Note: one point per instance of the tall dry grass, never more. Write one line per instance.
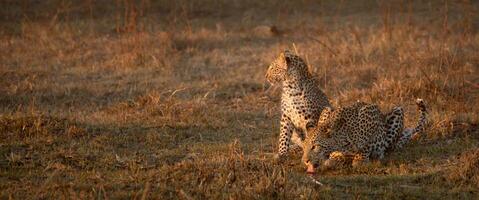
(133, 99)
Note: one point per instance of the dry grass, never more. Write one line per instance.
(467, 172)
(150, 99)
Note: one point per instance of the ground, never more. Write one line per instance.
(167, 99)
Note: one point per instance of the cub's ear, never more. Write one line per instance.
(310, 127)
(282, 58)
(325, 114)
(287, 56)
(288, 60)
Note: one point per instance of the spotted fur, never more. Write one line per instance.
(411, 133)
(301, 100)
(359, 131)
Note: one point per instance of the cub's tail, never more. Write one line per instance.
(421, 123)
(410, 133)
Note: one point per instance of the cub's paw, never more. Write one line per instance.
(329, 164)
(359, 161)
(279, 159)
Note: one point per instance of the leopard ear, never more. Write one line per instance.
(287, 56)
(325, 114)
(309, 126)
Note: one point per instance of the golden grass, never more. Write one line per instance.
(167, 99)
(467, 172)
(13, 127)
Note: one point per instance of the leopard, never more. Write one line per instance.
(360, 132)
(302, 100)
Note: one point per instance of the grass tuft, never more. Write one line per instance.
(467, 171)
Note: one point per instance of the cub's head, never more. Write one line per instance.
(318, 143)
(315, 152)
(283, 66)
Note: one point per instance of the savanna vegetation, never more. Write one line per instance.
(167, 99)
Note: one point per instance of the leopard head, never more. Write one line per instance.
(286, 64)
(315, 151)
(318, 141)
